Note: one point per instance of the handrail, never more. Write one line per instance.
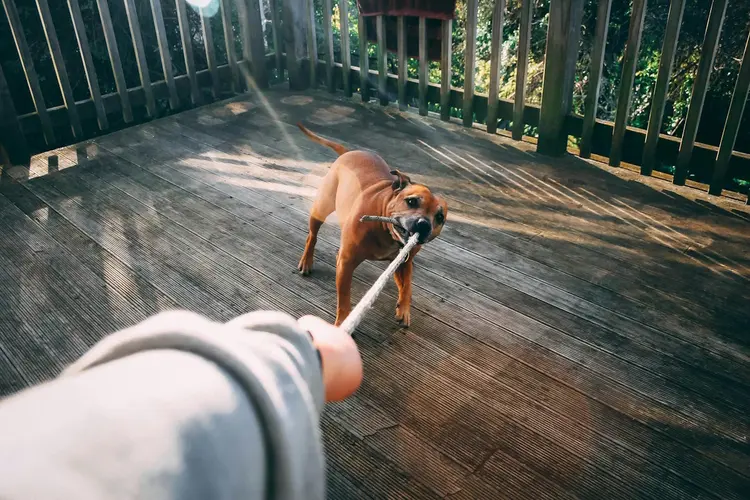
(287, 53)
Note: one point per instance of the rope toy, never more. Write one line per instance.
(365, 304)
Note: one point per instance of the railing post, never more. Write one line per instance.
(294, 13)
(12, 138)
(564, 31)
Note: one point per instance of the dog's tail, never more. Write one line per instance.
(325, 142)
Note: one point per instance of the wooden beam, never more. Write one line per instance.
(253, 45)
(226, 24)
(58, 63)
(140, 55)
(629, 67)
(524, 44)
(732, 125)
(364, 62)
(89, 68)
(294, 13)
(423, 65)
(382, 60)
(208, 45)
(11, 134)
(346, 56)
(559, 72)
(114, 59)
(469, 54)
(328, 38)
(27, 63)
(700, 88)
(446, 53)
(595, 75)
(166, 58)
(312, 43)
(495, 48)
(402, 62)
(659, 97)
(278, 49)
(187, 50)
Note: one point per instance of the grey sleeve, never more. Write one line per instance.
(177, 407)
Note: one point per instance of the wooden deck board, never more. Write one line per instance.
(554, 350)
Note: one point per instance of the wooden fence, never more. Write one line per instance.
(293, 33)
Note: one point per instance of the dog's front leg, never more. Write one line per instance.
(403, 282)
(345, 266)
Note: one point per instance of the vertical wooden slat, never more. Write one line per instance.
(166, 59)
(629, 66)
(58, 63)
(445, 70)
(595, 76)
(659, 97)
(700, 88)
(11, 135)
(524, 43)
(27, 62)
(208, 43)
(346, 57)
(257, 43)
(276, 35)
(187, 50)
(732, 125)
(312, 43)
(364, 61)
(328, 34)
(88, 63)
(423, 65)
(402, 60)
(226, 23)
(114, 60)
(140, 56)
(382, 60)
(471, 43)
(561, 54)
(495, 46)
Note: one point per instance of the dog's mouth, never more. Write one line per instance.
(399, 233)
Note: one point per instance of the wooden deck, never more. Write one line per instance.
(577, 331)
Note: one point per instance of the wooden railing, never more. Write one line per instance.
(293, 33)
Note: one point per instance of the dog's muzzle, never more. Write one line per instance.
(423, 227)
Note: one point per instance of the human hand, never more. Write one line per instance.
(341, 361)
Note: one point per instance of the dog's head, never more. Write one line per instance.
(417, 209)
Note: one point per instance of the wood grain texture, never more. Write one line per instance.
(364, 61)
(208, 42)
(554, 352)
(596, 67)
(700, 89)
(312, 42)
(278, 48)
(382, 61)
(328, 39)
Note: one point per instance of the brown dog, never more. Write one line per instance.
(361, 183)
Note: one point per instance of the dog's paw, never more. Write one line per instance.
(403, 315)
(304, 267)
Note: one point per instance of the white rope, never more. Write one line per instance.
(352, 321)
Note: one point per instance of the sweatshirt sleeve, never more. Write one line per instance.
(177, 407)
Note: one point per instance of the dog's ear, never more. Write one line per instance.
(401, 181)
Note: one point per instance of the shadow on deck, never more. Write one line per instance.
(577, 331)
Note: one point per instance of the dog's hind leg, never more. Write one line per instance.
(323, 206)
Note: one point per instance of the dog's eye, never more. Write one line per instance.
(439, 218)
(412, 202)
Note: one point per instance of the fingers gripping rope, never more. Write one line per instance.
(355, 317)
